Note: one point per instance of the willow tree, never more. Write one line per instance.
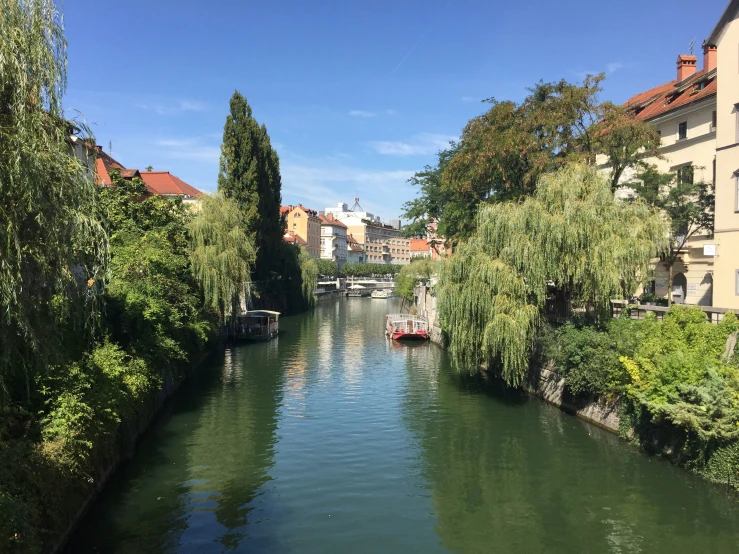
(572, 234)
(308, 277)
(52, 248)
(222, 254)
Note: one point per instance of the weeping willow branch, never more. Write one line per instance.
(53, 250)
(222, 255)
(571, 234)
(309, 277)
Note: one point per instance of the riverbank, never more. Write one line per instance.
(334, 439)
(663, 385)
(130, 432)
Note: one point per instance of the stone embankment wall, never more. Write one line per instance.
(543, 382)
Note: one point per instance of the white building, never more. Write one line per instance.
(382, 243)
(333, 239)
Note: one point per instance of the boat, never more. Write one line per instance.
(406, 327)
(380, 294)
(357, 291)
(257, 325)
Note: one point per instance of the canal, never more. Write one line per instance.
(332, 439)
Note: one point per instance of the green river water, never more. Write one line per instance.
(332, 439)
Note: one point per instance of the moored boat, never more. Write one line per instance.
(380, 294)
(256, 325)
(406, 327)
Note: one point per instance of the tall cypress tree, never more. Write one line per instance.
(250, 174)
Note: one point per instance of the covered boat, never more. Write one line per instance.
(256, 325)
(380, 294)
(406, 327)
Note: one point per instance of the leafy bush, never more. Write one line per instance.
(586, 357)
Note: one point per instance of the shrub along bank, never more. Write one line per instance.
(675, 380)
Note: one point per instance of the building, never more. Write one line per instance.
(305, 223)
(333, 239)
(420, 248)
(163, 183)
(354, 251)
(723, 46)
(294, 239)
(696, 117)
(382, 243)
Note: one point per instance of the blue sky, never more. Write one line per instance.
(356, 95)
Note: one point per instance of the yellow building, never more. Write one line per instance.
(725, 39)
(304, 223)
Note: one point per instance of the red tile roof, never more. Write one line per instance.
(673, 95)
(164, 183)
(284, 210)
(353, 245)
(104, 164)
(292, 238)
(419, 245)
(329, 219)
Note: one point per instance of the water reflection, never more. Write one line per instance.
(517, 474)
(333, 439)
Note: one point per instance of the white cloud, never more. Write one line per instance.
(468, 99)
(613, 67)
(421, 144)
(362, 113)
(189, 148)
(173, 107)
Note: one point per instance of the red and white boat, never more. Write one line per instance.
(406, 327)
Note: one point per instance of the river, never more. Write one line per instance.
(332, 439)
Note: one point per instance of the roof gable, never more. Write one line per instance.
(730, 13)
(166, 184)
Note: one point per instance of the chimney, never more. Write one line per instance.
(710, 57)
(685, 66)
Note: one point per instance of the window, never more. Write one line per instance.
(736, 199)
(736, 282)
(685, 175)
(713, 121)
(682, 130)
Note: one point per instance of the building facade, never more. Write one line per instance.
(333, 239)
(354, 251)
(305, 223)
(696, 115)
(725, 40)
(382, 243)
(420, 248)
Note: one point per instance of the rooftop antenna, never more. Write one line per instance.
(356, 207)
(110, 147)
(692, 47)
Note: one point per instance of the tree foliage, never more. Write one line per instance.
(222, 254)
(354, 269)
(51, 245)
(503, 152)
(250, 174)
(571, 235)
(419, 270)
(308, 277)
(689, 206)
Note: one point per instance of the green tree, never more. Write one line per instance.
(250, 174)
(308, 277)
(689, 206)
(222, 254)
(149, 168)
(503, 152)
(53, 251)
(571, 234)
(327, 268)
(419, 270)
